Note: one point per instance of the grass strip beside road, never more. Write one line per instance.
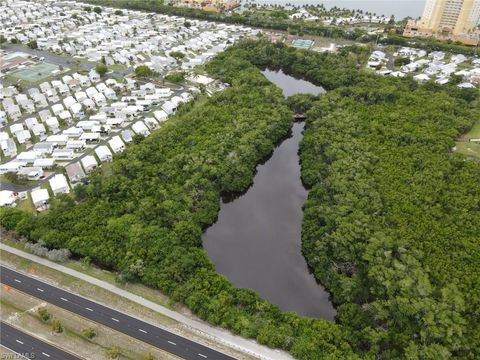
(132, 301)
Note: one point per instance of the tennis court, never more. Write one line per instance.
(302, 44)
(35, 72)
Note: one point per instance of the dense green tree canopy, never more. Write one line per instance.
(391, 226)
(143, 71)
(101, 69)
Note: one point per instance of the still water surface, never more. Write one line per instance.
(399, 8)
(256, 241)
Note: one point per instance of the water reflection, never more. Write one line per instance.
(256, 241)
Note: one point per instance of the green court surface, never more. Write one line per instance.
(35, 72)
(302, 44)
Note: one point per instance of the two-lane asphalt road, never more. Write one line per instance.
(30, 347)
(114, 319)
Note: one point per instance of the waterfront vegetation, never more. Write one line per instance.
(391, 225)
(145, 216)
(392, 222)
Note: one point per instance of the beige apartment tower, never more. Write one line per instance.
(451, 16)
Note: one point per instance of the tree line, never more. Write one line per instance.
(257, 19)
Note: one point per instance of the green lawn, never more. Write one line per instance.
(468, 148)
(117, 67)
(27, 205)
(475, 132)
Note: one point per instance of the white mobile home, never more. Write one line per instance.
(140, 128)
(8, 147)
(12, 166)
(63, 154)
(44, 114)
(151, 123)
(40, 198)
(76, 145)
(94, 76)
(169, 107)
(13, 111)
(23, 136)
(103, 153)
(7, 198)
(58, 140)
(53, 124)
(44, 163)
(90, 137)
(16, 128)
(77, 110)
(69, 101)
(87, 124)
(29, 156)
(127, 136)
(91, 91)
(80, 96)
(89, 163)
(160, 115)
(59, 184)
(57, 109)
(73, 132)
(65, 116)
(116, 144)
(99, 99)
(39, 131)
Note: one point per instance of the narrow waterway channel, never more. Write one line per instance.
(256, 241)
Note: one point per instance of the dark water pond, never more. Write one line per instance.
(256, 241)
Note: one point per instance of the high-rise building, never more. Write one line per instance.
(457, 20)
(451, 16)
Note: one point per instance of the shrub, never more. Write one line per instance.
(175, 77)
(89, 333)
(143, 71)
(57, 326)
(113, 352)
(44, 314)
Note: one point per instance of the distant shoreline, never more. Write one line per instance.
(399, 8)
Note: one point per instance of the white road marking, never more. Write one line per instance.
(89, 309)
(171, 342)
(45, 354)
(64, 299)
(142, 331)
(20, 342)
(115, 320)
(204, 356)
(17, 280)
(40, 289)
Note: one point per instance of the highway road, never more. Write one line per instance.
(114, 319)
(29, 347)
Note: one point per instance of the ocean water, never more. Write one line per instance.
(399, 8)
